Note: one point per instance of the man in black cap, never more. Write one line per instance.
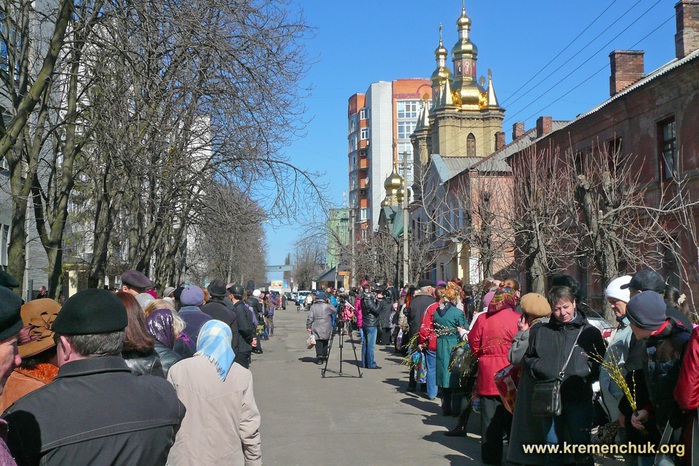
(243, 337)
(665, 341)
(649, 280)
(422, 299)
(135, 282)
(96, 411)
(10, 325)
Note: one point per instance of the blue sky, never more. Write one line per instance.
(358, 42)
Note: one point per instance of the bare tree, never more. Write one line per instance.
(309, 260)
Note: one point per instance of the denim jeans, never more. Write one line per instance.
(573, 425)
(368, 346)
(431, 358)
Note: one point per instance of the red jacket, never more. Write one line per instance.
(427, 328)
(490, 340)
(687, 388)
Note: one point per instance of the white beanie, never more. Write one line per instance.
(256, 293)
(614, 289)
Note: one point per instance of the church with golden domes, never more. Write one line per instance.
(465, 117)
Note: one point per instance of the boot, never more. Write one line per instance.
(458, 431)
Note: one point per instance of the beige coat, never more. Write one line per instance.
(222, 422)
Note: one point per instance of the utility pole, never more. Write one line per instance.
(406, 260)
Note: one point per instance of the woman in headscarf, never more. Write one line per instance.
(161, 324)
(37, 350)
(222, 421)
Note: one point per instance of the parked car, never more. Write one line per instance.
(301, 297)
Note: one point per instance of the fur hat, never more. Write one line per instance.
(535, 305)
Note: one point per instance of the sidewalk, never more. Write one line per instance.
(309, 420)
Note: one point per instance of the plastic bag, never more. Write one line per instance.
(420, 367)
(399, 339)
(310, 341)
(506, 381)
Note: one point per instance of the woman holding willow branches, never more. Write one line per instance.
(559, 350)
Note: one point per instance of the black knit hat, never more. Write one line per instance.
(646, 310)
(425, 282)
(10, 319)
(89, 312)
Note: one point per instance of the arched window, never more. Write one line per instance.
(471, 145)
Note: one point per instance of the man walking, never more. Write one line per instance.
(242, 339)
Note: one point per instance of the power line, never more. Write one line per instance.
(566, 48)
(584, 62)
(538, 112)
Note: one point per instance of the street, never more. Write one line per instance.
(308, 420)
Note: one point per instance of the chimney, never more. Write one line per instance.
(687, 37)
(499, 140)
(544, 125)
(517, 130)
(627, 68)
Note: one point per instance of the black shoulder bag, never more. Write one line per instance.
(546, 397)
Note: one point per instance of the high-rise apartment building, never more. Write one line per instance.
(380, 123)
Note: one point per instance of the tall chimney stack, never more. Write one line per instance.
(687, 37)
(627, 68)
(517, 130)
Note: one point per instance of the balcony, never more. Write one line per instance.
(363, 164)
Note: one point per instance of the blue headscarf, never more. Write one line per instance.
(214, 343)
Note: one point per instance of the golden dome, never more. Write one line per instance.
(394, 181)
(469, 96)
(463, 21)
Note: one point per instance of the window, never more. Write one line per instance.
(408, 109)
(669, 163)
(615, 156)
(362, 114)
(353, 182)
(353, 143)
(353, 165)
(405, 129)
(3, 164)
(471, 145)
(353, 124)
(364, 133)
(363, 214)
(4, 244)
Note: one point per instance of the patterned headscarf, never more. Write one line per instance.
(160, 324)
(214, 343)
(504, 298)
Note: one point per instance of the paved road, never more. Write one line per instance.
(309, 420)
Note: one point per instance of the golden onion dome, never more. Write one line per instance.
(393, 182)
(463, 21)
(469, 95)
(441, 74)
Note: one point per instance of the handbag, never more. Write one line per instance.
(506, 381)
(546, 396)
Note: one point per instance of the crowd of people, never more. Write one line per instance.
(129, 377)
(553, 349)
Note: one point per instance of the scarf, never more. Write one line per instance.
(214, 343)
(160, 324)
(504, 298)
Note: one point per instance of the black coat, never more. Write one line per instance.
(416, 311)
(167, 356)
(385, 308)
(370, 312)
(549, 347)
(243, 334)
(96, 411)
(144, 364)
(217, 309)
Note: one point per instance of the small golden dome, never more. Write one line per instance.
(441, 74)
(463, 21)
(469, 95)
